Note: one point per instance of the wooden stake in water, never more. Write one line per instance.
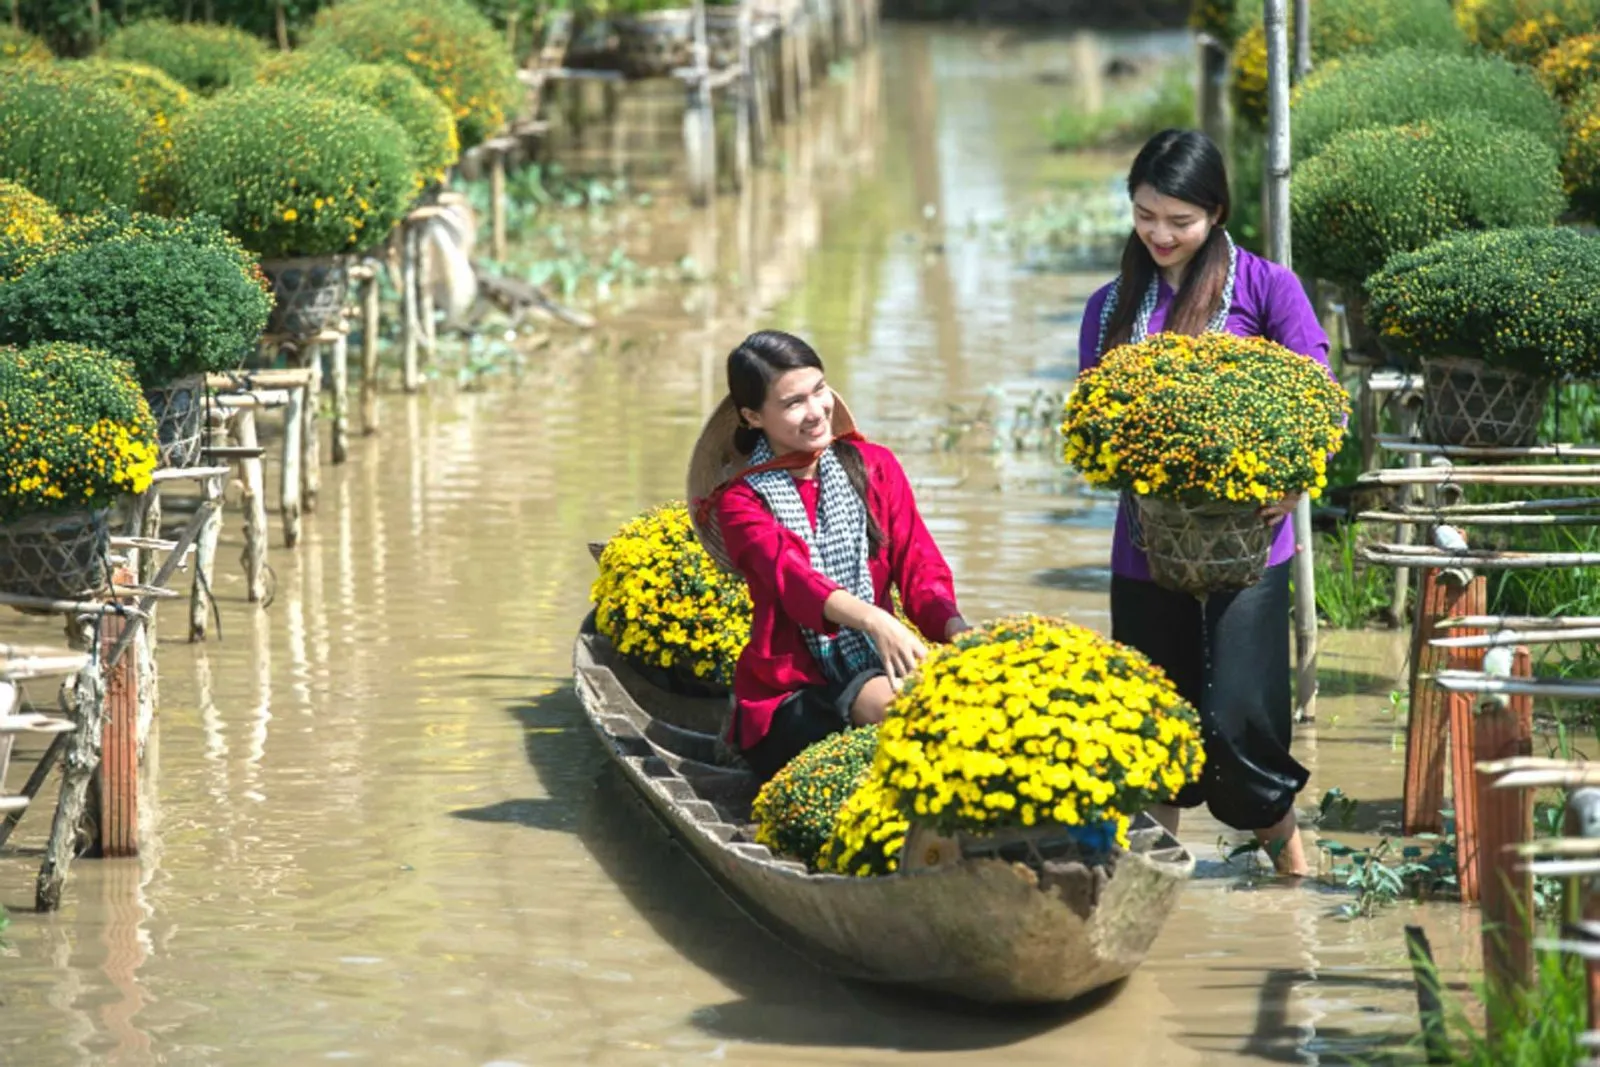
(1280, 250)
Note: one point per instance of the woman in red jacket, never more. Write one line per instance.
(820, 523)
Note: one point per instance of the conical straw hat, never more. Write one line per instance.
(715, 460)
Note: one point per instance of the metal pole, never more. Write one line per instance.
(1280, 250)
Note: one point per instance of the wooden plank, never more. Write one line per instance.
(1510, 638)
(119, 766)
(1504, 730)
(1553, 451)
(1428, 725)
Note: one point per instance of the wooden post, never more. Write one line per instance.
(81, 752)
(1463, 774)
(205, 562)
(1302, 38)
(497, 204)
(149, 513)
(1504, 730)
(119, 759)
(1583, 900)
(699, 120)
(255, 507)
(1281, 250)
(1212, 98)
(744, 101)
(310, 439)
(1428, 726)
(289, 491)
(341, 396)
(411, 378)
(371, 314)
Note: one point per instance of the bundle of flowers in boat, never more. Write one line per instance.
(796, 810)
(1494, 318)
(1026, 730)
(667, 607)
(76, 435)
(1199, 433)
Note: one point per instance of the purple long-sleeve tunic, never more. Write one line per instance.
(1268, 301)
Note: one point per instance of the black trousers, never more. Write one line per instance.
(1241, 688)
(804, 718)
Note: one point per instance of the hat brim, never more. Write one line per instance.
(715, 460)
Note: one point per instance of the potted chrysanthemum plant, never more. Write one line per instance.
(77, 438)
(667, 607)
(1027, 736)
(1199, 433)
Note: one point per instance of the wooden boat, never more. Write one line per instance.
(984, 929)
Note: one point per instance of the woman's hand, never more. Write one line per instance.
(898, 647)
(1271, 513)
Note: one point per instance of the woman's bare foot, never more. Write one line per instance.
(1284, 845)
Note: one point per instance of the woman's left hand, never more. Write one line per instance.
(1273, 512)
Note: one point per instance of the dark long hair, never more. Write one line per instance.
(763, 358)
(1185, 165)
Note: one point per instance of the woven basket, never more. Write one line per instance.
(1466, 402)
(1204, 548)
(1034, 846)
(308, 294)
(179, 408)
(58, 556)
(655, 43)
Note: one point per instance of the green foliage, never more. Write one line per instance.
(447, 44)
(1377, 192)
(387, 88)
(173, 298)
(1226, 20)
(1535, 1027)
(155, 92)
(1412, 85)
(1168, 104)
(1580, 166)
(1350, 593)
(797, 809)
(1523, 30)
(201, 56)
(1342, 28)
(21, 46)
(289, 174)
(1522, 299)
(77, 430)
(78, 146)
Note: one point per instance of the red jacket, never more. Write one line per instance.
(787, 593)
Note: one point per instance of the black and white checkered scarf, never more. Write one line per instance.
(838, 550)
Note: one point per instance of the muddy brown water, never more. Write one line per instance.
(376, 827)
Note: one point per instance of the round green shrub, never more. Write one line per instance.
(288, 173)
(1341, 28)
(25, 219)
(79, 146)
(203, 57)
(20, 46)
(451, 47)
(1523, 30)
(1375, 192)
(77, 432)
(172, 297)
(1522, 299)
(157, 93)
(796, 810)
(388, 88)
(1580, 165)
(1410, 85)
(1571, 67)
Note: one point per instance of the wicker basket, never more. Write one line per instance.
(308, 294)
(1033, 846)
(179, 408)
(58, 556)
(655, 43)
(1466, 402)
(1204, 548)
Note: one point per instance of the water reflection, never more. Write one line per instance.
(383, 831)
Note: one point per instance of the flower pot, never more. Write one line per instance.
(57, 555)
(179, 408)
(654, 44)
(1034, 846)
(1467, 402)
(308, 294)
(1202, 548)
